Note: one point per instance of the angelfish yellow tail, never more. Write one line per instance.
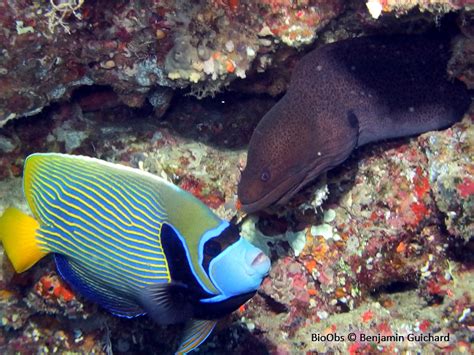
(17, 234)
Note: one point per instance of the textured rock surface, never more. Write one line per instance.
(381, 245)
(49, 50)
(378, 245)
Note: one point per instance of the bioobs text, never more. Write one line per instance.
(331, 337)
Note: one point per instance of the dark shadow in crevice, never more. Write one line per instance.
(225, 121)
(395, 287)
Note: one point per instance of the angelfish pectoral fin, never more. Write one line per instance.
(167, 303)
(195, 333)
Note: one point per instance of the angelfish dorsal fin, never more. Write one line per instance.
(167, 303)
(195, 332)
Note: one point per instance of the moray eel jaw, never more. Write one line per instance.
(255, 194)
(254, 198)
(252, 201)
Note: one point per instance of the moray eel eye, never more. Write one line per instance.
(265, 176)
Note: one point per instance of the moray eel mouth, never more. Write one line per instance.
(280, 194)
(288, 187)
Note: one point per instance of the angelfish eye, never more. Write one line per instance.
(265, 175)
(212, 248)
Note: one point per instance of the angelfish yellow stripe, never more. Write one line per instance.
(103, 270)
(154, 245)
(129, 182)
(126, 220)
(91, 180)
(41, 243)
(150, 268)
(50, 195)
(118, 280)
(74, 207)
(140, 191)
(128, 224)
(37, 201)
(196, 336)
(80, 242)
(146, 186)
(155, 250)
(99, 268)
(104, 289)
(199, 334)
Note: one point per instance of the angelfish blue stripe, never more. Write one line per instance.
(94, 197)
(119, 281)
(53, 203)
(195, 335)
(98, 252)
(217, 298)
(78, 206)
(104, 266)
(117, 302)
(121, 186)
(47, 190)
(206, 236)
(108, 223)
(126, 183)
(114, 298)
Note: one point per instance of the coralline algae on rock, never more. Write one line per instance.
(451, 172)
(377, 7)
(297, 240)
(51, 48)
(363, 251)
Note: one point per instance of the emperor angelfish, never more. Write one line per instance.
(132, 242)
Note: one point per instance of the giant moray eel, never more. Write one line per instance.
(342, 96)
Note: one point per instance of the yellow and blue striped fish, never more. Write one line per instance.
(133, 243)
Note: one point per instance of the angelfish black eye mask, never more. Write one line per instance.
(214, 246)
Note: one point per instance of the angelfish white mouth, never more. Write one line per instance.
(260, 264)
(259, 259)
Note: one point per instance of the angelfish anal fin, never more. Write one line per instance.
(195, 333)
(167, 303)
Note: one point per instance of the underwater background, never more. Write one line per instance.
(381, 245)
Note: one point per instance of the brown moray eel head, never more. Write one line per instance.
(283, 158)
(342, 96)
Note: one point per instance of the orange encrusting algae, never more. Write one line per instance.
(51, 286)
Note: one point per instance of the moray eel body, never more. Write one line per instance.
(342, 96)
